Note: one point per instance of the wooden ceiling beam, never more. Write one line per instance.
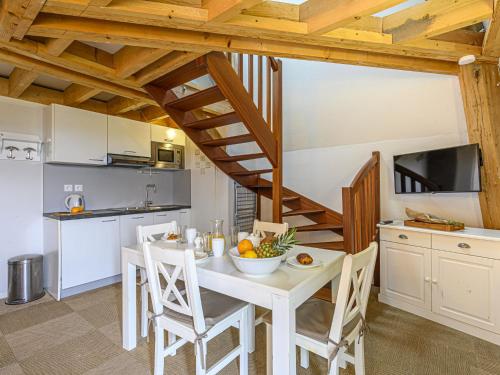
(57, 46)
(273, 9)
(153, 113)
(130, 59)
(323, 16)
(223, 10)
(72, 76)
(462, 36)
(119, 105)
(147, 36)
(20, 80)
(164, 65)
(491, 44)
(16, 16)
(77, 94)
(435, 17)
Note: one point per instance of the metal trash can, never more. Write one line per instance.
(25, 279)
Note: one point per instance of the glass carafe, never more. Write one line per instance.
(218, 228)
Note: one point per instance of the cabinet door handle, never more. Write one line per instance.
(403, 236)
(108, 221)
(138, 217)
(434, 281)
(161, 215)
(427, 279)
(463, 245)
(129, 152)
(95, 159)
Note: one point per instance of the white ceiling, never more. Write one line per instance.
(108, 47)
(5, 69)
(51, 82)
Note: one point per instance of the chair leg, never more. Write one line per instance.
(199, 359)
(335, 368)
(144, 304)
(304, 358)
(251, 328)
(359, 356)
(159, 350)
(171, 340)
(269, 349)
(244, 341)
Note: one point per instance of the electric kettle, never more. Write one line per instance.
(74, 201)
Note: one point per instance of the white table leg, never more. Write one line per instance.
(129, 272)
(283, 336)
(251, 328)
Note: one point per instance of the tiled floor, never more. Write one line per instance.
(82, 336)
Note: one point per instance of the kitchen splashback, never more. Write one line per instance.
(113, 187)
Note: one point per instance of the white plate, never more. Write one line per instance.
(170, 241)
(293, 262)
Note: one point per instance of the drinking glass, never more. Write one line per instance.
(182, 233)
(234, 235)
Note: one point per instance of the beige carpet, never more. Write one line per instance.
(82, 336)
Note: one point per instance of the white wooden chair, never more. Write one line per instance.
(150, 233)
(329, 329)
(193, 316)
(262, 228)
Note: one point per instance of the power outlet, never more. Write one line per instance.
(78, 187)
(68, 188)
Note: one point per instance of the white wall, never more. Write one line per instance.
(336, 115)
(20, 189)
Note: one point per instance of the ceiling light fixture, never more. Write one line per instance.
(466, 60)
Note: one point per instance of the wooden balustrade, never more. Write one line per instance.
(361, 206)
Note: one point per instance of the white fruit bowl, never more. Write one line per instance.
(254, 266)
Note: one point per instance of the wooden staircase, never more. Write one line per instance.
(258, 108)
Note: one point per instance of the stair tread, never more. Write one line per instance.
(183, 74)
(332, 245)
(318, 227)
(303, 212)
(197, 100)
(214, 122)
(259, 186)
(251, 173)
(291, 198)
(245, 138)
(241, 157)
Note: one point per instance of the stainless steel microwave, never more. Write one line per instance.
(167, 155)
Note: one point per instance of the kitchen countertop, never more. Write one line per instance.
(62, 216)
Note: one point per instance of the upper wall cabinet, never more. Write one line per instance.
(164, 134)
(74, 135)
(128, 137)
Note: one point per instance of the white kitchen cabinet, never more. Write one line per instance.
(406, 273)
(465, 288)
(452, 278)
(73, 135)
(128, 137)
(166, 217)
(161, 134)
(90, 250)
(128, 225)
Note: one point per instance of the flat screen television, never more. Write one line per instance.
(447, 170)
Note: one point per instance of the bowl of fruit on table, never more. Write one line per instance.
(265, 258)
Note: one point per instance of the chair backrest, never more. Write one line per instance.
(173, 265)
(263, 227)
(151, 233)
(354, 291)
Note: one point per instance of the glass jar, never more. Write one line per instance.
(218, 228)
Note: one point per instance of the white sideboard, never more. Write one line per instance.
(452, 278)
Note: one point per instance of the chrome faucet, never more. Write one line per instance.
(149, 188)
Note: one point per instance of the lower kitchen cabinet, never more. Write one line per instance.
(91, 250)
(128, 225)
(85, 254)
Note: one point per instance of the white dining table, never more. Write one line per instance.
(282, 292)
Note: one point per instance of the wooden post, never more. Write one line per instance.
(278, 135)
(481, 97)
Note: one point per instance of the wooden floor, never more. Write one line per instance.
(82, 336)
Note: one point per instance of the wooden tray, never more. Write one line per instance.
(444, 227)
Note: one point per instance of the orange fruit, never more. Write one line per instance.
(249, 254)
(245, 245)
(75, 210)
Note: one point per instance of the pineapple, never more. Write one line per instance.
(278, 246)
